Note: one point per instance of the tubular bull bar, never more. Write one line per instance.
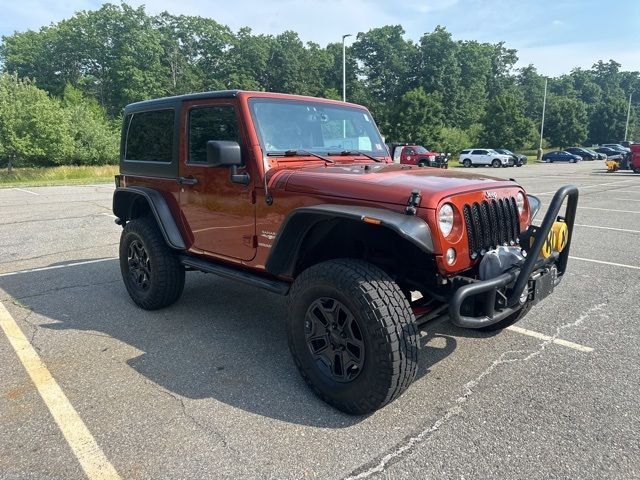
(520, 277)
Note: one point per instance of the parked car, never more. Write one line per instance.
(600, 156)
(483, 156)
(583, 153)
(627, 143)
(617, 146)
(561, 156)
(336, 227)
(517, 160)
(412, 154)
(609, 152)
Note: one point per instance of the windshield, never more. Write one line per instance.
(317, 127)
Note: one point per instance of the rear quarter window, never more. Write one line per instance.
(149, 136)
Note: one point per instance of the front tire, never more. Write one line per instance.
(352, 335)
(150, 270)
(496, 163)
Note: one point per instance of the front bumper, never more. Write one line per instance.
(501, 296)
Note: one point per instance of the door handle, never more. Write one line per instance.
(187, 180)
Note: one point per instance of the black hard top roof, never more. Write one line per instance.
(171, 101)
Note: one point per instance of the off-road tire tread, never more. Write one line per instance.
(390, 321)
(167, 274)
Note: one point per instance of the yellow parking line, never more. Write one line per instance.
(558, 341)
(84, 446)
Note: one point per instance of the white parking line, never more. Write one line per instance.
(108, 215)
(558, 341)
(606, 228)
(54, 267)
(83, 445)
(634, 267)
(625, 199)
(591, 186)
(608, 209)
(25, 191)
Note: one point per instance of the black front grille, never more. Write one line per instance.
(490, 224)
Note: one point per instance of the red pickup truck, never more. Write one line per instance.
(411, 154)
(634, 162)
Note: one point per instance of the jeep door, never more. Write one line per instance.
(219, 214)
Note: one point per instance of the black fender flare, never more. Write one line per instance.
(123, 199)
(290, 238)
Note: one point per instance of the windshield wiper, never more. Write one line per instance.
(300, 153)
(356, 152)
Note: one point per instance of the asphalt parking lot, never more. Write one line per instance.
(207, 389)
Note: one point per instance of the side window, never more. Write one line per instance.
(477, 152)
(150, 136)
(409, 151)
(210, 123)
(465, 152)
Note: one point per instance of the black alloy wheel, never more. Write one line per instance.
(335, 339)
(139, 265)
(151, 270)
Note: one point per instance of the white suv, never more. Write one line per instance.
(484, 156)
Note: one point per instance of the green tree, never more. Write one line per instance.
(531, 84)
(419, 118)
(566, 121)
(385, 60)
(505, 124)
(194, 50)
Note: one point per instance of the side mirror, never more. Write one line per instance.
(534, 206)
(223, 153)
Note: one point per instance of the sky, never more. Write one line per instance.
(554, 35)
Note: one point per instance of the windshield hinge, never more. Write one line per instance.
(413, 203)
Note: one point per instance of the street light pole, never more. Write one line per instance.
(544, 105)
(626, 127)
(344, 68)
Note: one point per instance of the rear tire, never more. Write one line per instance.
(496, 163)
(508, 321)
(150, 270)
(467, 163)
(352, 335)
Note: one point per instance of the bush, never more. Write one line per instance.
(453, 141)
(95, 138)
(39, 130)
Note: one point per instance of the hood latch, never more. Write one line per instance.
(413, 203)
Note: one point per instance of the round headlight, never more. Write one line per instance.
(445, 219)
(520, 202)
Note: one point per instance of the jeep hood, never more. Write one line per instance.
(388, 183)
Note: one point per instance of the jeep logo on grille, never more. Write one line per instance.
(492, 195)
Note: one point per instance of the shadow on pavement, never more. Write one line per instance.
(222, 340)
